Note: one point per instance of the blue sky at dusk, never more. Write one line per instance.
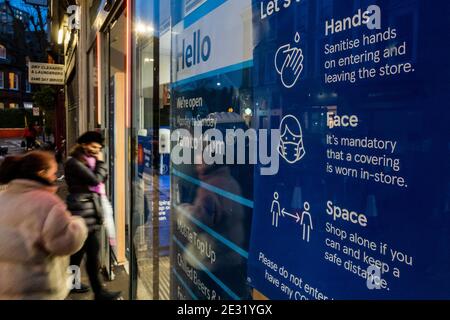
(20, 4)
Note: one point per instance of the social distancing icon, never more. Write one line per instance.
(304, 219)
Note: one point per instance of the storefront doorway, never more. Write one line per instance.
(116, 134)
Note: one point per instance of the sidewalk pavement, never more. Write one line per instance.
(13, 145)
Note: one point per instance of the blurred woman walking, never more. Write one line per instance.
(37, 233)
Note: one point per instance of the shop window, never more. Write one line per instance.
(13, 81)
(2, 106)
(14, 106)
(2, 52)
(28, 105)
(2, 81)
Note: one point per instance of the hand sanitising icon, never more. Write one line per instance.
(289, 63)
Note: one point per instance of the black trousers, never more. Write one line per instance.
(31, 142)
(91, 248)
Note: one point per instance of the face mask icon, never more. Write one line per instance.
(291, 141)
(289, 63)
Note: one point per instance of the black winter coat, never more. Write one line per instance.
(81, 201)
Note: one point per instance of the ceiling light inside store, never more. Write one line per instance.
(140, 28)
(143, 28)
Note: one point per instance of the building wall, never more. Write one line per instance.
(71, 50)
(14, 63)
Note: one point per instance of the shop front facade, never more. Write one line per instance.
(274, 149)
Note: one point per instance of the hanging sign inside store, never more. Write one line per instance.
(45, 73)
(201, 51)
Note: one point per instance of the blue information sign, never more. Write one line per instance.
(359, 207)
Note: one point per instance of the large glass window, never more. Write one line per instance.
(2, 80)
(290, 152)
(169, 263)
(211, 201)
(151, 177)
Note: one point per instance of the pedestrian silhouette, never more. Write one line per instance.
(275, 210)
(37, 233)
(306, 223)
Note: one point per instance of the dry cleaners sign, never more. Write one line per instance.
(44, 73)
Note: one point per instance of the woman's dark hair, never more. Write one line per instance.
(91, 137)
(78, 153)
(25, 167)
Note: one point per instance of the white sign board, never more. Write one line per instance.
(43, 3)
(44, 73)
(36, 112)
(219, 42)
